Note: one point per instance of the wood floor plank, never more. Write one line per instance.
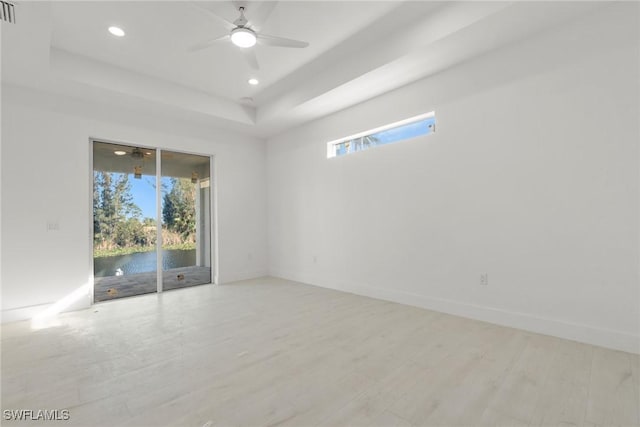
(517, 396)
(634, 360)
(370, 405)
(388, 419)
(464, 400)
(564, 395)
(612, 397)
(273, 352)
(457, 388)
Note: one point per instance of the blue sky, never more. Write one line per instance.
(394, 134)
(144, 193)
(410, 130)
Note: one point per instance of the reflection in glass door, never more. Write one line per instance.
(124, 221)
(186, 245)
(127, 187)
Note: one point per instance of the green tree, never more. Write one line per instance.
(124, 205)
(115, 215)
(179, 208)
(169, 211)
(98, 182)
(107, 206)
(130, 233)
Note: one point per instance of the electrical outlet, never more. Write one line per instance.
(53, 225)
(315, 259)
(484, 279)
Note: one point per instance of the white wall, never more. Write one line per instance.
(532, 177)
(46, 177)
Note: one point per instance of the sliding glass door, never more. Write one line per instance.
(186, 253)
(128, 188)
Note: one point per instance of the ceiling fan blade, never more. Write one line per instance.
(228, 25)
(208, 43)
(250, 56)
(260, 15)
(280, 41)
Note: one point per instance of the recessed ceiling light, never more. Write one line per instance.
(253, 82)
(243, 37)
(119, 153)
(116, 31)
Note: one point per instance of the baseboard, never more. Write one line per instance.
(29, 312)
(572, 331)
(241, 275)
(22, 313)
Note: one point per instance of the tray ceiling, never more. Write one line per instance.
(358, 50)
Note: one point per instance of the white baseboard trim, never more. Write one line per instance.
(22, 313)
(28, 313)
(241, 275)
(572, 331)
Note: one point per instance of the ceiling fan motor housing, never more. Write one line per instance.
(137, 154)
(242, 20)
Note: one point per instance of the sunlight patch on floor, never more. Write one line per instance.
(49, 317)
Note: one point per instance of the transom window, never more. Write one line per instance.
(423, 124)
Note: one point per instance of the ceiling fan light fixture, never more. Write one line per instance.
(253, 82)
(243, 37)
(116, 31)
(119, 153)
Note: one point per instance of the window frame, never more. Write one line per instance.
(332, 146)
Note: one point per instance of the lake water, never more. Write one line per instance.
(143, 262)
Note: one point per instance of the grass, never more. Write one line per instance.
(100, 253)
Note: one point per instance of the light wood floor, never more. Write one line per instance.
(273, 352)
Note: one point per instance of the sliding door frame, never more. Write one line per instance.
(159, 241)
(213, 212)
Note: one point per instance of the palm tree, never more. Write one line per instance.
(363, 143)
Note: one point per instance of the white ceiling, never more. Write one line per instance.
(159, 35)
(357, 50)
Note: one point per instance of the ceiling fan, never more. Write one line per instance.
(245, 33)
(133, 152)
